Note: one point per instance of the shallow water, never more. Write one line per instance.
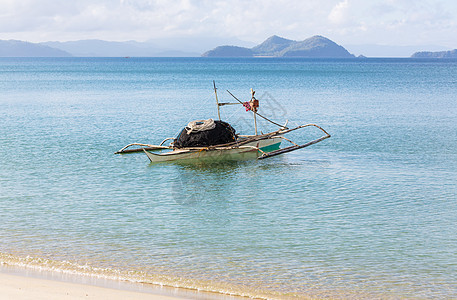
(368, 213)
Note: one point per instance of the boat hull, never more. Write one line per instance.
(244, 152)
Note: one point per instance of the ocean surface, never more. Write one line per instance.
(369, 213)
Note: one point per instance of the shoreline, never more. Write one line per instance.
(26, 283)
(24, 288)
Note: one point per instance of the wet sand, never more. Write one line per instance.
(27, 288)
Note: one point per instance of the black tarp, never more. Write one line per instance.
(223, 133)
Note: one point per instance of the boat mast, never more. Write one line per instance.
(217, 101)
(254, 109)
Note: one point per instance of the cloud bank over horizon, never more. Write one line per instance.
(385, 22)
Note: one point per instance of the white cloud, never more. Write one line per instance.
(339, 13)
(345, 21)
(143, 19)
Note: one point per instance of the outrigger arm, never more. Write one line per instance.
(295, 146)
(147, 147)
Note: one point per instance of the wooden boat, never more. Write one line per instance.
(240, 147)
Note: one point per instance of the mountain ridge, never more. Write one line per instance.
(435, 54)
(315, 46)
(274, 46)
(97, 48)
(15, 48)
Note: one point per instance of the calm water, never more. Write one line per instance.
(368, 213)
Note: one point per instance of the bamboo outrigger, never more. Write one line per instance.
(238, 147)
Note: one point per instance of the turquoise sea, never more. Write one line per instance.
(369, 213)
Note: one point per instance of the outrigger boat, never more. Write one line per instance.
(215, 140)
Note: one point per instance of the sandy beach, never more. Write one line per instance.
(27, 288)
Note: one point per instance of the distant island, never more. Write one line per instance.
(87, 48)
(100, 48)
(14, 48)
(275, 46)
(438, 54)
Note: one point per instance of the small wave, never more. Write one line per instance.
(71, 268)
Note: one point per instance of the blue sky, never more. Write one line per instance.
(384, 22)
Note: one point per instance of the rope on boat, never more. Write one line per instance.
(200, 125)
